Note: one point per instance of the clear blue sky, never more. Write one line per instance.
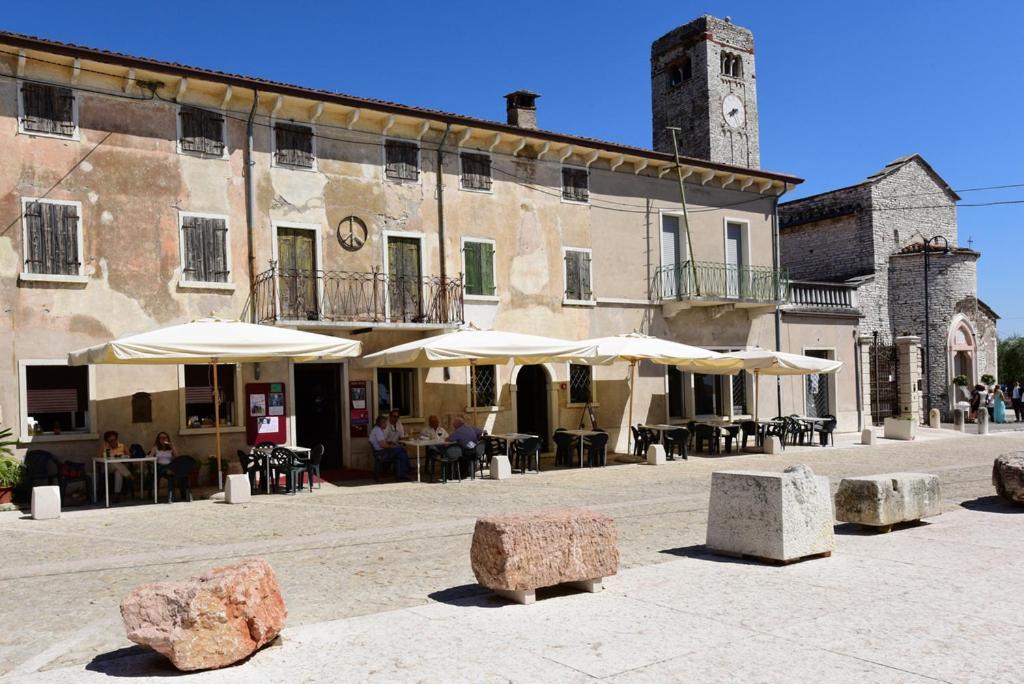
(843, 88)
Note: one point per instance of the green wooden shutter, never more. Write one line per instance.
(487, 268)
(474, 276)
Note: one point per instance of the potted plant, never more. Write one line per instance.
(10, 469)
(960, 381)
(988, 380)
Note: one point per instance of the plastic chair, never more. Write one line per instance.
(596, 448)
(524, 450)
(178, 474)
(639, 448)
(284, 460)
(475, 456)
(316, 457)
(731, 434)
(827, 430)
(709, 433)
(748, 428)
(565, 445)
(450, 458)
(676, 440)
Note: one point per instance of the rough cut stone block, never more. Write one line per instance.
(776, 516)
(898, 428)
(238, 490)
(208, 621)
(1008, 476)
(867, 436)
(46, 502)
(772, 445)
(885, 500)
(656, 455)
(934, 419)
(501, 467)
(519, 553)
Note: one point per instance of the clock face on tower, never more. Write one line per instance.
(732, 110)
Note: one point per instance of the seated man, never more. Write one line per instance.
(433, 430)
(389, 451)
(394, 430)
(464, 434)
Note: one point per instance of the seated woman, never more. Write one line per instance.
(113, 448)
(163, 451)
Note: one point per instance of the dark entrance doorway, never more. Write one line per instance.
(532, 403)
(318, 406)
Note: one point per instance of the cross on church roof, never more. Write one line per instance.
(970, 243)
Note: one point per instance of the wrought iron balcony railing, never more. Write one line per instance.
(714, 281)
(371, 297)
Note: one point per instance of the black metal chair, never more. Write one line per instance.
(826, 431)
(178, 474)
(523, 451)
(316, 457)
(596, 449)
(565, 445)
(676, 441)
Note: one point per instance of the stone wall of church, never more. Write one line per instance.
(827, 237)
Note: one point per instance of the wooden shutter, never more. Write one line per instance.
(572, 276)
(51, 238)
(487, 268)
(474, 277)
(585, 275)
(575, 184)
(293, 145)
(66, 239)
(476, 171)
(401, 160)
(213, 134)
(194, 268)
(35, 240)
(48, 109)
(217, 251)
(64, 108)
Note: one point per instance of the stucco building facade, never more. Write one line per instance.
(137, 194)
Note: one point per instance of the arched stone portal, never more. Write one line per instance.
(962, 356)
(535, 401)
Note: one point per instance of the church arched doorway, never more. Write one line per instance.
(962, 357)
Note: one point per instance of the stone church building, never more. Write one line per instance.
(872, 236)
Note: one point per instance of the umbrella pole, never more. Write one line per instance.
(757, 389)
(629, 427)
(472, 385)
(216, 423)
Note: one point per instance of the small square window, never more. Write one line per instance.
(52, 237)
(577, 275)
(476, 171)
(202, 132)
(293, 145)
(204, 249)
(575, 184)
(397, 390)
(49, 110)
(199, 412)
(56, 399)
(401, 160)
(478, 258)
(485, 390)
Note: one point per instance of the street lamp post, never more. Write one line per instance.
(936, 240)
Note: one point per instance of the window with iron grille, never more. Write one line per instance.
(485, 389)
(478, 259)
(577, 275)
(48, 109)
(204, 249)
(476, 171)
(52, 238)
(198, 390)
(401, 160)
(739, 394)
(202, 132)
(575, 184)
(580, 384)
(293, 145)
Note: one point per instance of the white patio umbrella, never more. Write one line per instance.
(213, 341)
(768, 362)
(634, 347)
(470, 347)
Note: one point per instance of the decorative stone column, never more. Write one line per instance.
(864, 349)
(909, 350)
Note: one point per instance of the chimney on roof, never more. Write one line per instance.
(521, 107)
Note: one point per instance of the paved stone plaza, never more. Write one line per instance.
(378, 583)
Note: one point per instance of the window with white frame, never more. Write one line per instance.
(293, 145)
(56, 398)
(478, 266)
(577, 275)
(201, 132)
(401, 160)
(575, 184)
(48, 110)
(397, 390)
(204, 249)
(485, 387)
(581, 384)
(197, 386)
(53, 237)
(475, 171)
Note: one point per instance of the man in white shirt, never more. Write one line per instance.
(389, 451)
(394, 430)
(433, 430)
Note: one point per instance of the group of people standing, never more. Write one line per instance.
(995, 402)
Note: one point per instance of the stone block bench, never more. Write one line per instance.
(881, 501)
(1008, 477)
(514, 555)
(779, 517)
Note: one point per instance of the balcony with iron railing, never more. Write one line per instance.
(356, 299)
(706, 283)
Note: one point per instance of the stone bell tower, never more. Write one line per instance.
(703, 82)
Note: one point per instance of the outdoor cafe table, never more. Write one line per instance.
(421, 442)
(510, 438)
(661, 429)
(302, 452)
(581, 434)
(125, 460)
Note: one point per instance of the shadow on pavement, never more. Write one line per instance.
(855, 530)
(702, 552)
(991, 504)
(133, 661)
(467, 595)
